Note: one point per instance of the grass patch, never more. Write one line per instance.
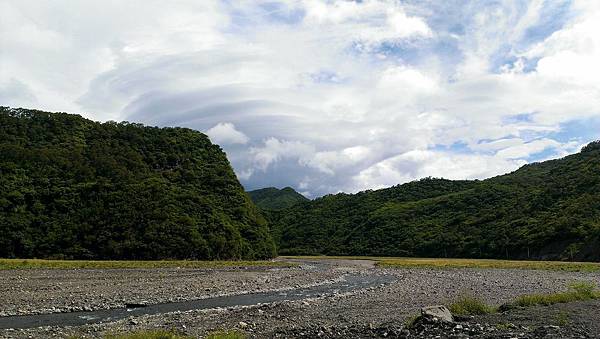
(579, 291)
(411, 321)
(504, 326)
(322, 257)
(226, 335)
(563, 318)
(157, 334)
(470, 306)
(11, 264)
(488, 263)
(444, 263)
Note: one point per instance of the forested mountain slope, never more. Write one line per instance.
(272, 198)
(74, 188)
(545, 210)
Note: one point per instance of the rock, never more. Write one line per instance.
(463, 318)
(440, 312)
(243, 324)
(136, 304)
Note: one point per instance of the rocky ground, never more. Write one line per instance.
(380, 311)
(34, 291)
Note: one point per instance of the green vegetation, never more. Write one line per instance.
(548, 210)
(276, 199)
(488, 263)
(157, 334)
(450, 263)
(77, 189)
(504, 326)
(226, 335)
(562, 318)
(11, 264)
(411, 321)
(578, 292)
(329, 224)
(470, 306)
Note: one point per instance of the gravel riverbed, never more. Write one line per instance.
(376, 309)
(35, 291)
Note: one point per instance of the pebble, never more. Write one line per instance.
(361, 310)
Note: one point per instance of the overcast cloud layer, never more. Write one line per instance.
(323, 96)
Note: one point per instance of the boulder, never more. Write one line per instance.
(440, 312)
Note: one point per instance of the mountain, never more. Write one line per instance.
(272, 198)
(548, 210)
(75, 188)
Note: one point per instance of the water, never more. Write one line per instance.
(349, 283)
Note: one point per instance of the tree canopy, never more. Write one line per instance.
(548, 210)
(272, 198)
(75, 188)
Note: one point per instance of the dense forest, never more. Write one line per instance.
(548, 210)
(272, 198)
(74, 188)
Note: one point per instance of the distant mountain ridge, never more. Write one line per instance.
(272, 198)
(547, 210)
(75, 188)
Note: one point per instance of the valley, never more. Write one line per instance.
(111, 228)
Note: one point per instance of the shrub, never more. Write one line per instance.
(578, 292)
(470, 306)
(226, 335)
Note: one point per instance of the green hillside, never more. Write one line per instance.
(272, 198)
(74, 188)
(547, 210)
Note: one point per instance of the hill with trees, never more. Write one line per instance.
(75, 188)
(272, 198)
(548, 210)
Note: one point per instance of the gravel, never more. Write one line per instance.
(368, 312)
(35, 291)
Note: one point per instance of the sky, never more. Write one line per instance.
(324, 96)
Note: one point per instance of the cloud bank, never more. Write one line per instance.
(324, 96)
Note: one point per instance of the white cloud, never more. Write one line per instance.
(275, 150)
(570, 55)
(368, 22)
(525, 150)
(225, 133)
(59, 48)
(422, 163)
(321, 95)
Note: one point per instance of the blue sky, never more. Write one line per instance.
(322, 95)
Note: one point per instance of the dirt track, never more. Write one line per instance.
(362, 310)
